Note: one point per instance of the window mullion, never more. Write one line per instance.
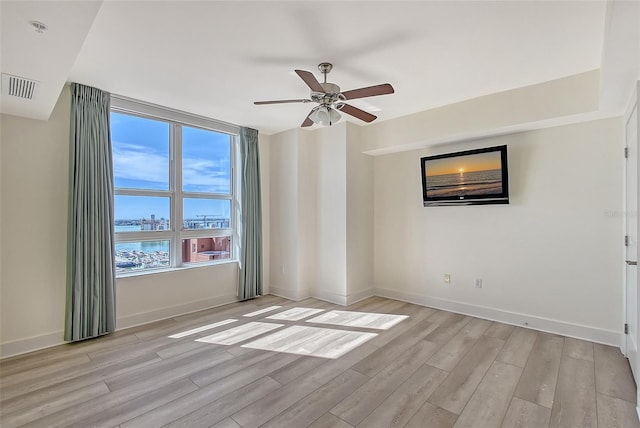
(143, 236)
(202, 195)
(236, 207)
(142, 192)
(176, 175)
(205, 233)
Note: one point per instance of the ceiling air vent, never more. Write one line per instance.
(20, 87)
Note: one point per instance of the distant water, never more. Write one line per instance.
(476, 183)
(134, 228)
(144, 246)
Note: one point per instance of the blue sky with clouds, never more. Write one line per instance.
(141, 160)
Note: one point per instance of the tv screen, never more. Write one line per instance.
(465, 178)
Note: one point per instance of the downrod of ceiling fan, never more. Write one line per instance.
(325, 68)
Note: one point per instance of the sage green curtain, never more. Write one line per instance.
(250, 279)
(90, 306)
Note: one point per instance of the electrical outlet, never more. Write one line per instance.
(447, 278)
(478, 283)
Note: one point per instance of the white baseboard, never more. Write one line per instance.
(338, 299)
(288, 294)
(360, 295)
(36, 343)
(173, 311)
(578, 331)
(22, 346)
(341, 299)
(327, 296)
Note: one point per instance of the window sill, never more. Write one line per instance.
(173, 269)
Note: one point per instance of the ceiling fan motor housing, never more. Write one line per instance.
(330, 96)
(330, 88)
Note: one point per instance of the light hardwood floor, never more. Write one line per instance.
(432, 369)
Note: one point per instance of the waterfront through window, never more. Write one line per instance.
(174, 192)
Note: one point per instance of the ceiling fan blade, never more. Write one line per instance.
(259, 103)
(356, 112)
(307, 122)
(310, 80)
(370, 91)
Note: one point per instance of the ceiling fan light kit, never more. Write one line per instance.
(323, 115)
(331, 99)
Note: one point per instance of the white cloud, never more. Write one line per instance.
(206, 175)
(134, 162)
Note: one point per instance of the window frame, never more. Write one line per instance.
(176, 121)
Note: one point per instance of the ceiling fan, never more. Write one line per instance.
(330, 99)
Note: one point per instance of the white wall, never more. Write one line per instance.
(264, 145)
(550, 259)
(307, 215)
(509, 111)
(34, 195)
(308, 189)
(322, 186)
(332, 221)
(283, 213)
(34, 198)
(360, 229)
(150, 297)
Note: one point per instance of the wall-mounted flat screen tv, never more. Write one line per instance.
(466, 178)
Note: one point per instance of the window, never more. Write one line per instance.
(175, 194)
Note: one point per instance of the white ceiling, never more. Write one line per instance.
(215, 58)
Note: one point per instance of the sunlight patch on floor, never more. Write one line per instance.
(295, 314)
(199, 329)
(240, 333)
(299, 339)
(311, 341)
(262, 311)
(359, 319)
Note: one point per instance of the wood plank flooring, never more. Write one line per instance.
(432, 369)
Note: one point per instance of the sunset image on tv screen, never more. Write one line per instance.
(470, 175)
